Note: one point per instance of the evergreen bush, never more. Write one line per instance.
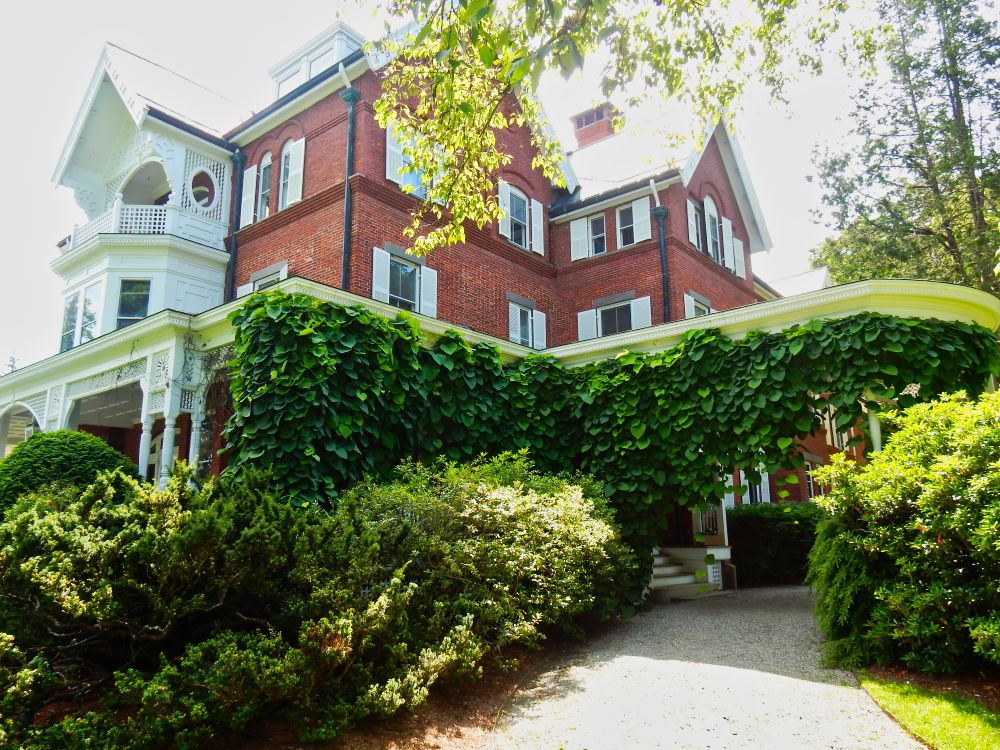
(207, 608)
(907, 567)
(63, 457)
(771, 541)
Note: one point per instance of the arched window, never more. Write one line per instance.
(286, 173)
(264, 187)
(712, 231)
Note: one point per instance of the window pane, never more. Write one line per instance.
(616, 319)
(598, 244)
(625, 228)
(402, 285)
(518, 220)
(133, 303)
(88, 318)
(525, 326)
(69, 322)
(264, 199)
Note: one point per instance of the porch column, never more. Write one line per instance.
(146, 436)
(874, 431)
(724, 525)
(197, 415)
(167, 454)
(4, 430)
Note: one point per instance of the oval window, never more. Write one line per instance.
(203, 189)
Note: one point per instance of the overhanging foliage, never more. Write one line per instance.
(324, 394)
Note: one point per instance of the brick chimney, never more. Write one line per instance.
(593, 125)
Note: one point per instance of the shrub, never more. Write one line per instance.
(907, 568)
(62, 457)
(213, 606)
(771, 542)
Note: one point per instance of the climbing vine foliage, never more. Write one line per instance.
(324, 394)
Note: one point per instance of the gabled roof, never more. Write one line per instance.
(642, 151)
(149, 89)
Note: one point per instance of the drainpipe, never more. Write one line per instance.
(660, 214)
(350, 95)
(238, 160)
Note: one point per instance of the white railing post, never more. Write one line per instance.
(116, 213)
(172, 220)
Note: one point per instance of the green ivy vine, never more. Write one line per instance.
(325, 394)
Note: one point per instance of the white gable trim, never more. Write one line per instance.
(739, 179)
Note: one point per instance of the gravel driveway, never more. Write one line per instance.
(735, 671)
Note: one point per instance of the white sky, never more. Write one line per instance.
(51, 49)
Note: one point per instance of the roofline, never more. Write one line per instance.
(176, 122)
(758, 281)
(78, 121)
(629, 187)
(279, 104)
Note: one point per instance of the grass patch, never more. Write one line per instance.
(945, 722)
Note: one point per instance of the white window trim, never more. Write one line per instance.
(81, 302)
(536, 325)
(426, 292)
(512, 192)
(619, 226)
(118, 316)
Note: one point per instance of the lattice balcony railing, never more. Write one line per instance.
(126, 219)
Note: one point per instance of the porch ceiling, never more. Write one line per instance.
(119, 407)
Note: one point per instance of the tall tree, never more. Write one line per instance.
(919, 197)
(467, 69)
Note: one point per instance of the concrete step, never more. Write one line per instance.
(671, 581)
(667, 570)
(661, 560)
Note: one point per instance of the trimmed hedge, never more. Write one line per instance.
(62, 457)
(771, 541)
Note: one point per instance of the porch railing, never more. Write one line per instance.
(129, 219)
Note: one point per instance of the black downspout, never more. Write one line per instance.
(238, 160)
(351, 96)
(660, 214)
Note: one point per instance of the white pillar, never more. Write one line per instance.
(874, 431)
(167, 451)
(4, 430)
(145, 438)
(194, 446)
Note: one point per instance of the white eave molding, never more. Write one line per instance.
(739, 178)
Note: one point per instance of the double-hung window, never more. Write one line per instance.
(403, 282)
(759, 492)
(626, 227)
(714, 245)
(812, 486)
(80, 319)
(133, 301)
(633, 222)
(588, 237)
(264, 192)
(290, 176)
(614, 319)
(518, 218)
(522, 220)
(526, 325)
(398, 166)
(614, 315)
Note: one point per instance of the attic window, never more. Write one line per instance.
(589, 118)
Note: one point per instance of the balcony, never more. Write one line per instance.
(122, 218)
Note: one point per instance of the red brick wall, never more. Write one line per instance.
(473, 279)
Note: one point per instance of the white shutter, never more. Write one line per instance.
(513, 322)
(538, 329)
(729, 501)
(586, 325)
(429, 292)
(745, 495)
(537, 227)
(393, 156)
(765, 486)
(249, 197)
(296, 163)
(692, 223)
(727, 244)
(504, 209)
(640, 219)
(243, 290)
(380, 275)
(641, 313)
(688, 306)
(741, 262)
(579, 239)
